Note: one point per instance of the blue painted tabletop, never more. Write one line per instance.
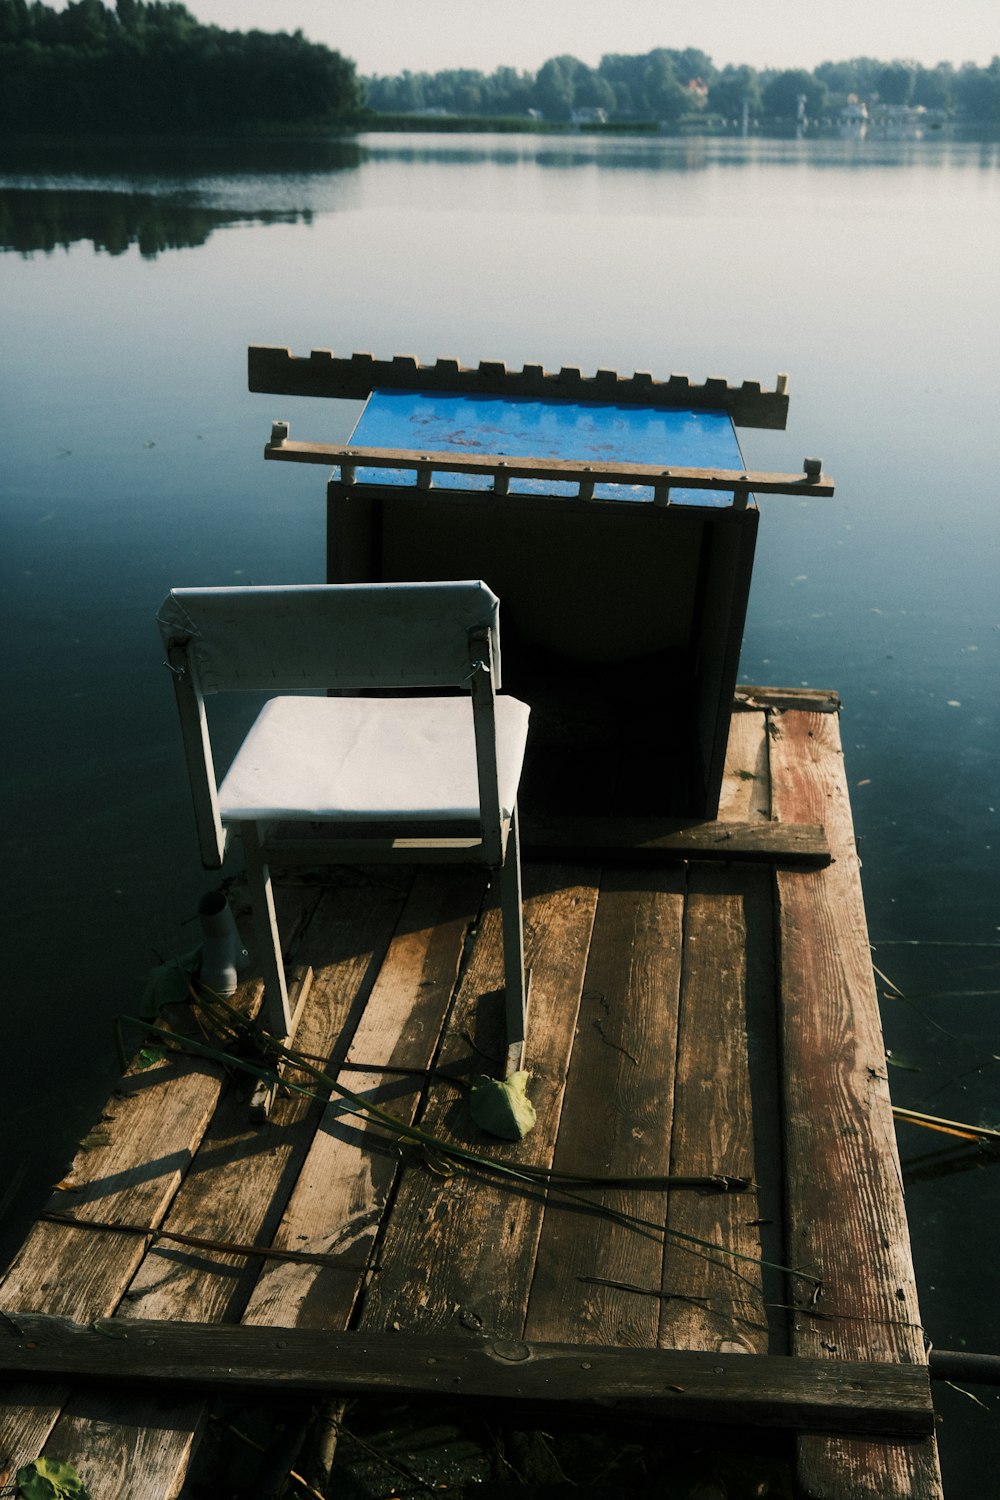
(517, 426)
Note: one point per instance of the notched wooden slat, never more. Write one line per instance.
(273, 368)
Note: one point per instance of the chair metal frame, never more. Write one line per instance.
(362, 637)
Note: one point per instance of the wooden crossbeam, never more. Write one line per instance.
(769, 1390)
(273, 368)
(502, 469)
(666, 839)
(812, 700)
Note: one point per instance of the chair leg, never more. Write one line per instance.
(275, 1012)
(515, 988)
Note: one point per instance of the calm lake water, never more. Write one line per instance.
(132, 285)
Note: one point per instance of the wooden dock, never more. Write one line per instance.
(702, 1005)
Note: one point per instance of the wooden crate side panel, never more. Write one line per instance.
(846, 1220)
(432, 1273)
(615, 1119)
(717, 636)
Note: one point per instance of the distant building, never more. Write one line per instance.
(852, 120)
(906, 122)
(589, 117)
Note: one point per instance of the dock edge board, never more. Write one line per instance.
(771, 1390)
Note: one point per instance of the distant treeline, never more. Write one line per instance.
(153, 66)
(669, 86)
(113, 65)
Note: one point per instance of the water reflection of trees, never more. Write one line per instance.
(157, 158)
(33, 219)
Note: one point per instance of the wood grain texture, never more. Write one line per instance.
(131, 1171)
(503, 468)
(234, 1190)
(714, 1301)
(746, 782)
(615, 1120)
(459, 1250)
(143, 1459)
(845, 1216)
(243, 1175)
(348, 1176)
(771, 1390)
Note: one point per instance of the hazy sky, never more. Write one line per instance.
(385, 36)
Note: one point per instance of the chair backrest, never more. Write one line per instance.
(310, 637)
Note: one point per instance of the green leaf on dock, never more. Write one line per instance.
(148, 1057)
(50, 1479)
(169, 983)
(502, 1107)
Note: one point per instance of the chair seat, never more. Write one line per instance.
(369, 759)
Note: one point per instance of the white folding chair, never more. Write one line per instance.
(406, 778)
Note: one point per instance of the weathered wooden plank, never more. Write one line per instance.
(745, 795)
(234, 1190)
(274, 369)
(725, 1114)
(846, 1220)
(745, 792)
(129, 1168)
(116, 1461)
(615, 1120)
(347, 1178)
(243, 1175)
(284, 449)
(771, 1390)
(433, 1272)
(860, 1468)
(663, 839)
